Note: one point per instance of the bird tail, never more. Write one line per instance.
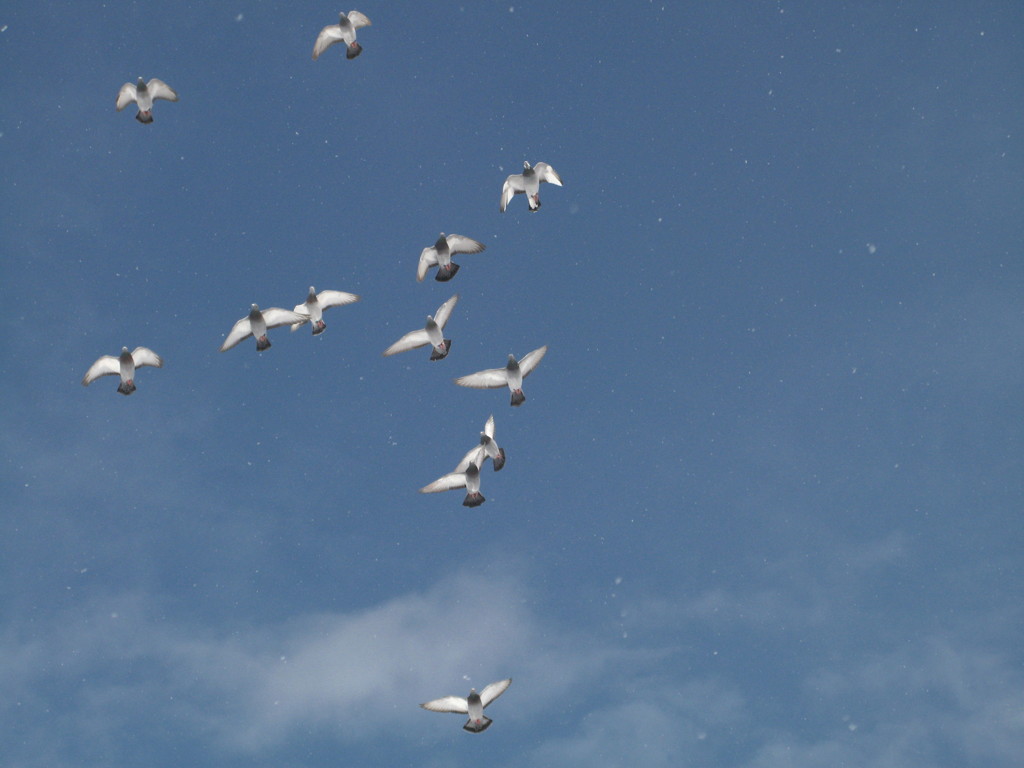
(475, 499)
(353, 50)
(445, 346)
(447, 272)
(145, 117)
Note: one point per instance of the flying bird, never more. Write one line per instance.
(124, 365)
(486, 449)
(344, 30)
(529, 182)
(473, 705)
(440, 255)
(143, 95)
(468, 479)
(256, 324)
(313, 308)
(510, 376)
(432, 333)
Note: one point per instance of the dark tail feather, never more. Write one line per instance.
(518, 397)
(474, 728)
(126, 388)
(262, 343)
(444, 274)
(446, 345)
(353, 50)
(475, 500)
(500, 461)
(145, 117)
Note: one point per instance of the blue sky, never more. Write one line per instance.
(762, 506)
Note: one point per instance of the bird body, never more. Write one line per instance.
(511, 375)
(256, 324)
(143, 94)
(343, 31)
(473, 705)
(469, 478)
(313, 308)
(124, 365)
(486, 449)
(432, 333)
(440, 255)
(528, 183)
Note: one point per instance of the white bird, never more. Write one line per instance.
(473, 705)
(124, 365)
(432, 333)
(510, 376)
(256, 324)
(345, 30)
(486, 449)
(529, 182)
(468, 479)
(313, 308)
(440, 255)
(143, 95)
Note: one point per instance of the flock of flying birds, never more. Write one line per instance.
(258, 322)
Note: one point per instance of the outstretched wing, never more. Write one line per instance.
(475, 456)
(411, 340)
(531, 360)
(546, 173)
(239, 331)
(462, 244)
(513, 186)
(489, 379)
(447, 483)
(144, 356)
(328, 36)
(158, 89)
(448, 704)
(357, 19)
(125, 96)
(428, 259)
(105, 366)
(335, 298)
(303, 310)
(493, 691)
(445, 311)
(275, 316)
(489, 427)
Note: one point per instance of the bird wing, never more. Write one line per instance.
(448, 704)
(301, 309)
(532, 360)
(161, 90)
(428, 259)
(105, 366)
(445, 311)
(145, 356)
(357, 19)
(125, 96)
(275, 316)
(489, 379)
(447, 483)
(335, 298)
(489, 427)
(239, 331)
(411, 340)
(462, 244)
(328, 36)
(546, 173)
(494, 690)
(473, 457)
(513, 186)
